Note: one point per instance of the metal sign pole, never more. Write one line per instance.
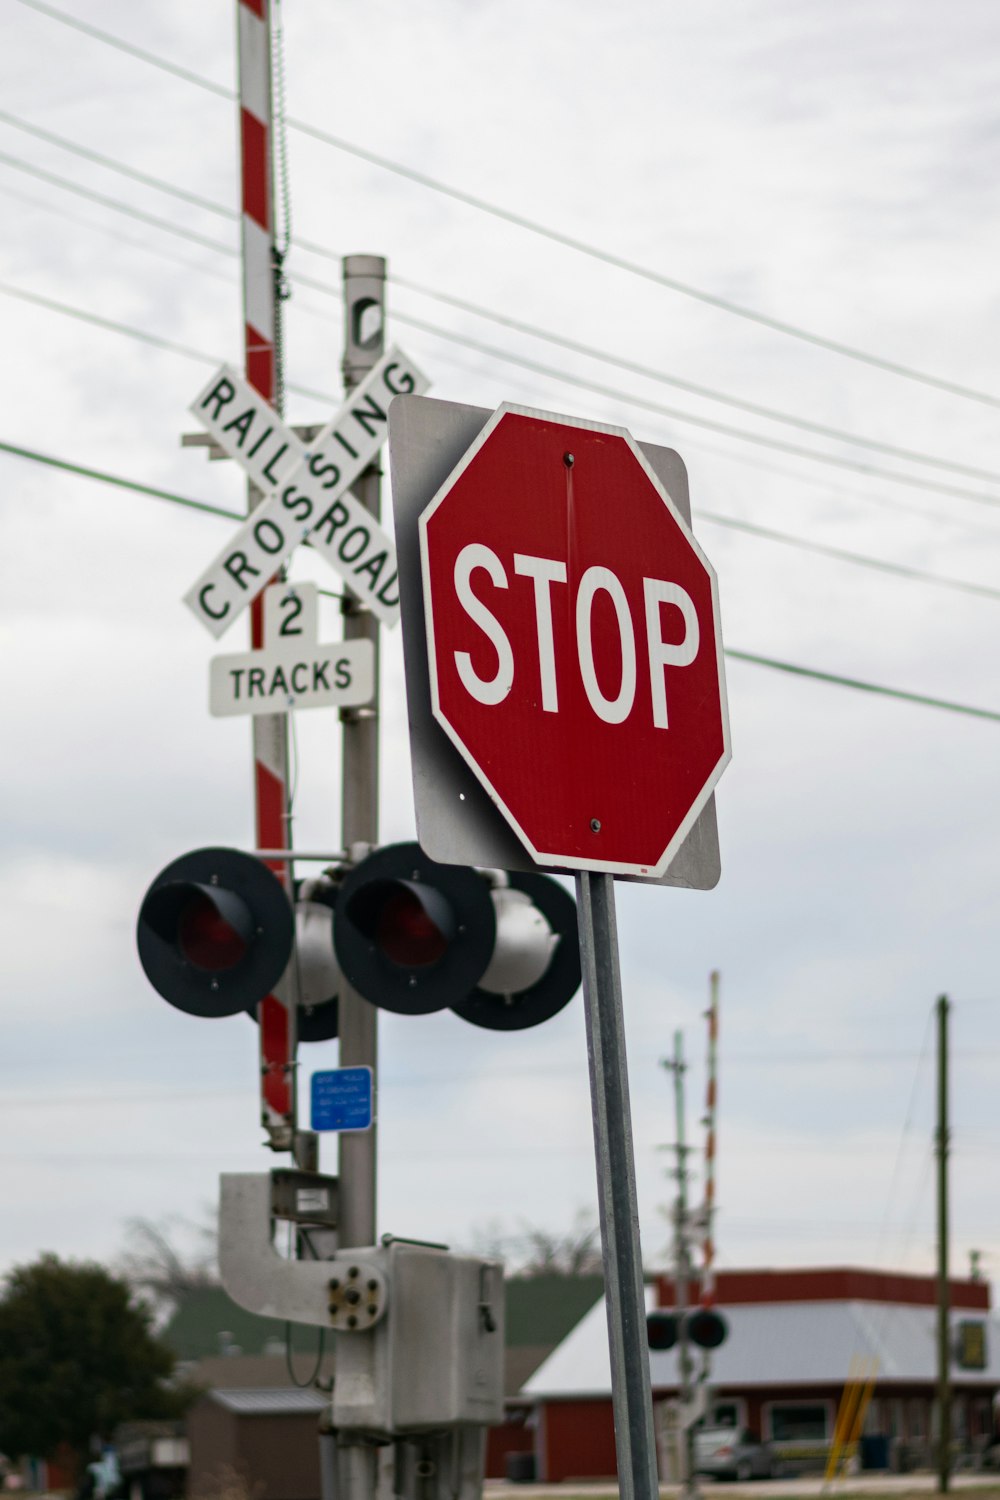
(364, 343)
(631, 1393)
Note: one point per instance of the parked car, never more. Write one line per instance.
(733, 1453)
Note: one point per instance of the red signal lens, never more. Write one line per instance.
(406, 934)
(205, 938)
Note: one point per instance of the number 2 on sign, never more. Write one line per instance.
(291, 612)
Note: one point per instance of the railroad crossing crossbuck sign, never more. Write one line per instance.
(573, 642)
(308, 492)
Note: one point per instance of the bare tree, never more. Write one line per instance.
(161, 1267)
(534, 1251)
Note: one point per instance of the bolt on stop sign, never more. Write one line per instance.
(573, 640)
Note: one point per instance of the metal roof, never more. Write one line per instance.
(775, 1344)
(269, 1403)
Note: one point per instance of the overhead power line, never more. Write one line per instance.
(619, 262)
(856, 466)
(103, 477)
(128, 330)
(113, 164)
(864, 687)
(635, 367)
(503, 320)
(95, 319)
(180, 230)
(745, 656)
(522, 361)
(146, 246)
(521, 221)
(153, 58)
(732, 523)
(841, 554)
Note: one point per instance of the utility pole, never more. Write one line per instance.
(943, 1339)
(682, 1273)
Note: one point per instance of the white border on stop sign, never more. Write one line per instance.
(550, 860)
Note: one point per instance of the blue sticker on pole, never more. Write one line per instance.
(342, 1099)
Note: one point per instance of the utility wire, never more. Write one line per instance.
(522, 362)
(905, 1134)
(129, 49)
(858, 559)
(744, 656)
(103, 477)
(776, 325)
(536, 367)
(113, 164)
(128, 330)
(521, 221)
(803, 424)
(838, 492)
(130, 1096)
(634, 367)
(731, 523)
(856, 466)
(864, 687)
(517, 325)
(116, 234)
(730, 455)
(133, 213)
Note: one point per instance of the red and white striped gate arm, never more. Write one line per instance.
(711, 1102)
(276, 1013)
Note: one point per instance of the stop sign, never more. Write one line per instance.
(573, 642)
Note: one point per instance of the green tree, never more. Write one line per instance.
(77, 1356)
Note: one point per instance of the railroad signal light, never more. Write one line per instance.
(414, 936)
(703, 1326)
(706, 1328)
(317, 976)
(661, 1330)
(215, 932)
(534, 969)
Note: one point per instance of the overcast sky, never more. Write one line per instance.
(833, 168)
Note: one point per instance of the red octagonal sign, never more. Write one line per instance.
(573, 642)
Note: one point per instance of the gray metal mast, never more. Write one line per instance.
(354, 1470)
(364, 343)
(631, 1395)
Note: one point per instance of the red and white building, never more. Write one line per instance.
(796, 1337)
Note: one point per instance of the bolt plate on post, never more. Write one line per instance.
(357, 1295)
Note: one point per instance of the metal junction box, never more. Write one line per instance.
(436, 1359)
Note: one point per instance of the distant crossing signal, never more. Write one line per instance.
(702, 1326)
